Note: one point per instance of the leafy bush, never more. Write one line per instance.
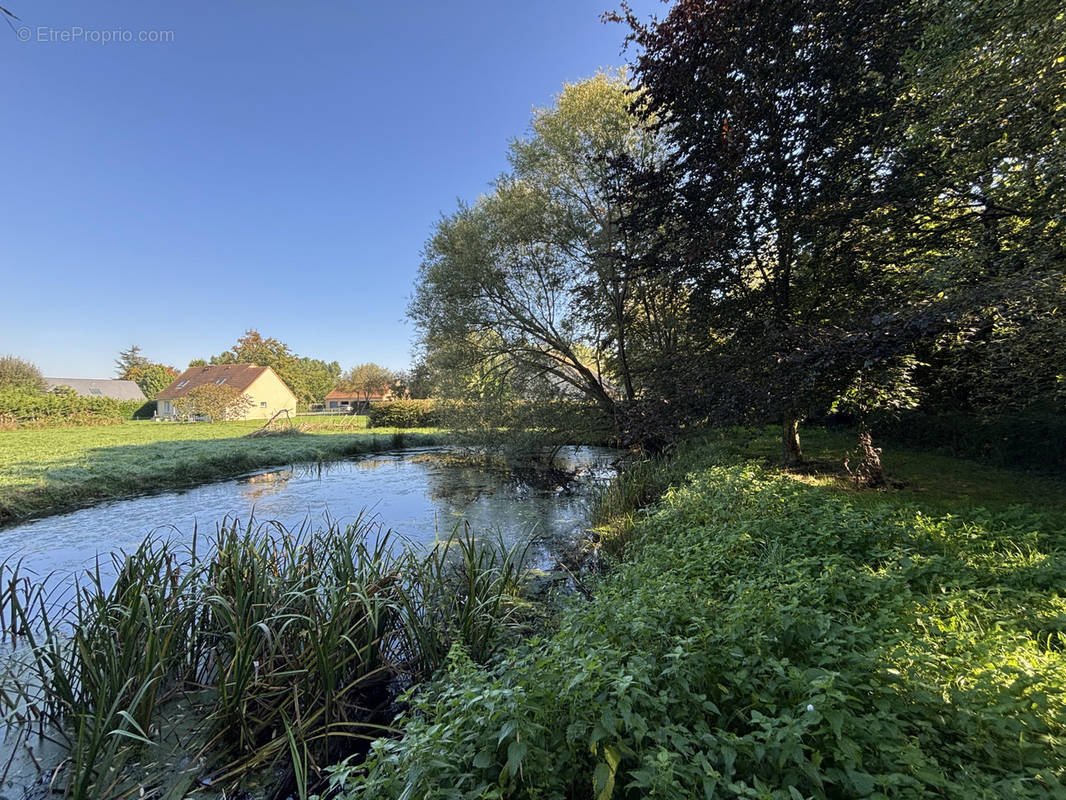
(25, 410)
(766, 639)
(217, 402)
(19, 375)
(404, 414)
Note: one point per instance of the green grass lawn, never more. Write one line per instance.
(48, 470)
(934, 481)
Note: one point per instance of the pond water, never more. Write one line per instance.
(419, 494)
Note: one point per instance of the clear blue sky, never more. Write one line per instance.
(274, 166)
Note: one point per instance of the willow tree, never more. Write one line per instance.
(537, 277)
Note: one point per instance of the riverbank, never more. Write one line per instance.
(51, 470)
(777, 635)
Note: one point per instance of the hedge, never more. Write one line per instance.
(26, 410)
(404, 414)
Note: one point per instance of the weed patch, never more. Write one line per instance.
(764, 638)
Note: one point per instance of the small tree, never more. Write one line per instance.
(20, 375)
(217, 403)
(367, 379)
(887, 387)
(153, 378)
(128, 360)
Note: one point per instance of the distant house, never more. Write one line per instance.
(91, 387)
(261, 385)
(347, 400)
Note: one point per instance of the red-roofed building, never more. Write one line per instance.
(261, 385)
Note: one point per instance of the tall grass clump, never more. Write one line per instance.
(641, 481)
(459, 593)
(259, 650)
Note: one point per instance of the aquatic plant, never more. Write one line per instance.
(258, 650)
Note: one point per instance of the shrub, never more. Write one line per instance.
(216, 402)
(403, 414)
(135, 409)
(17, 374)
(25, 410)
(767, 639)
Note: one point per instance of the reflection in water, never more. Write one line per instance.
(259, 486)
(421, 494)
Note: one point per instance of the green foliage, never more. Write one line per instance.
(24, 410)
(851, 186)
(17, 374)
(536, 285)
(367, 380)
(267, 650)
(404, 414)
(310, 379)
(152, 378)
(128, 360)
(135, 409)
(767, 639)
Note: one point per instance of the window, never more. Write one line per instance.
(220, 381)
(94, 390)
(263, 404)
(182, 385)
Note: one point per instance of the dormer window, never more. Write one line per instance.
(182, 385)
(220, 381)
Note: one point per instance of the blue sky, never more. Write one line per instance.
(272, 166)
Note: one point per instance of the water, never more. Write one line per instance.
(419, 494)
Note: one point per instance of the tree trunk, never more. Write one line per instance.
(790, 440)
(868, 472)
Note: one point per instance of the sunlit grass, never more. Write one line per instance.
(42, 471)
(931, 479)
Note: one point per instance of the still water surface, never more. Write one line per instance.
(418, 493)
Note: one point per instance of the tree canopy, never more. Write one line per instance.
(536, 284)
(310, 379)
(21, 375)
(783, 210)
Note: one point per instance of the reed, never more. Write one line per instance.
(259, 650)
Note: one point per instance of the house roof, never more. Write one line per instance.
(347, 394)
(239, 376)
(92, 387)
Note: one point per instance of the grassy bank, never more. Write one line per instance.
(44, 471)
(771, 635)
